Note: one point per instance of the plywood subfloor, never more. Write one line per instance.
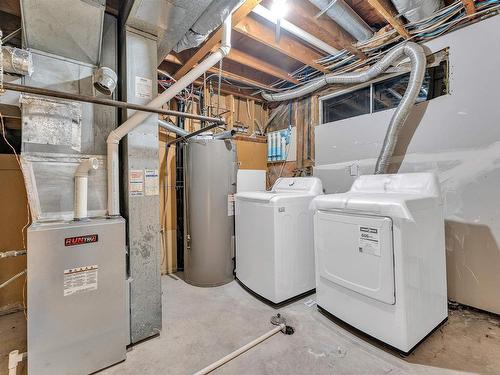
(201, 325)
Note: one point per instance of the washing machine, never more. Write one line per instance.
(380, 257)
(274, 239)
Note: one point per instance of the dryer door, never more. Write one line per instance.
(356, 252)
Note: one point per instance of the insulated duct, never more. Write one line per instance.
(416, 10)
(418, 61)
(346, 17)
(17, 61)
(137, 118)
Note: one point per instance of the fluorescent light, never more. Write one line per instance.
(279, 8)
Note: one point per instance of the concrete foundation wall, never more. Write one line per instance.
(458, 137)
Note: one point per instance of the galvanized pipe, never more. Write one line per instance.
(418, 60)
(107, 102)
(172, 128)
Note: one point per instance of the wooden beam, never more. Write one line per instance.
(241, 79)
(286, 45)
(470, 8)
(302, 14)
(387, 11)
(262, 66)
(213, 41)
(11, 7)
(229, 75)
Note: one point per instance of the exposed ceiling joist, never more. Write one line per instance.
(286, 45)
(387, 11)
(213, 41)
(260, 65)
(11, 6)
(302, 14)
(227, 75)
(241, 79)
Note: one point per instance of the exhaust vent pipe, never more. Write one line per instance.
(418, 62)
(137, 118)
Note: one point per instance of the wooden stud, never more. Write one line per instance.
(214, 40)
(387, 11)
(286, 45)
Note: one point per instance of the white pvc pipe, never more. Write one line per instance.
(81, 187)
(240, 351)
(14, 358)
(138, 117)
(297, 31)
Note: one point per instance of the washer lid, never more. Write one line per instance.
(310, 185)
(270, 196)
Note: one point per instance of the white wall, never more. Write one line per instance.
(458, 137)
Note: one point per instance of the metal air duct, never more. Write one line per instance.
(415, 10)
(347, 18)
(418, 60)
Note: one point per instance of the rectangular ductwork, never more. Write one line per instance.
(67, 28)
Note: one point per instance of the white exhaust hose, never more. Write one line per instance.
(418, 63)
(81, 187)
(138, 117)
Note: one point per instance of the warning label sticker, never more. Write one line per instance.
(143, 88)
(136, 183)
(80, 279)
(230, 205)
(369, 240)
(151, 182)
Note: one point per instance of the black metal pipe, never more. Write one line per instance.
(108, 102)
(192, 134)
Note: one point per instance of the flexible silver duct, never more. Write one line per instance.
(416, 10)
(346, 17)
(418, 62)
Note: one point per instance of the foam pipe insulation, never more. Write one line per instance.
(418, 62)
(346, 17)
(416, 10)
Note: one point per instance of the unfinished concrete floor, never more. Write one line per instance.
(201, 325)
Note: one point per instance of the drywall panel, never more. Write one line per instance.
(458, 137)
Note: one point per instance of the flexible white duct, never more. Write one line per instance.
(416, 10)
(137, 118)
(418, 60)
(346, 17)
(81, 187)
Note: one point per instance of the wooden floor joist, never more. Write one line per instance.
(387, 11)
(260, 65)
(302, 14)
(214, 40)
(286, 45)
